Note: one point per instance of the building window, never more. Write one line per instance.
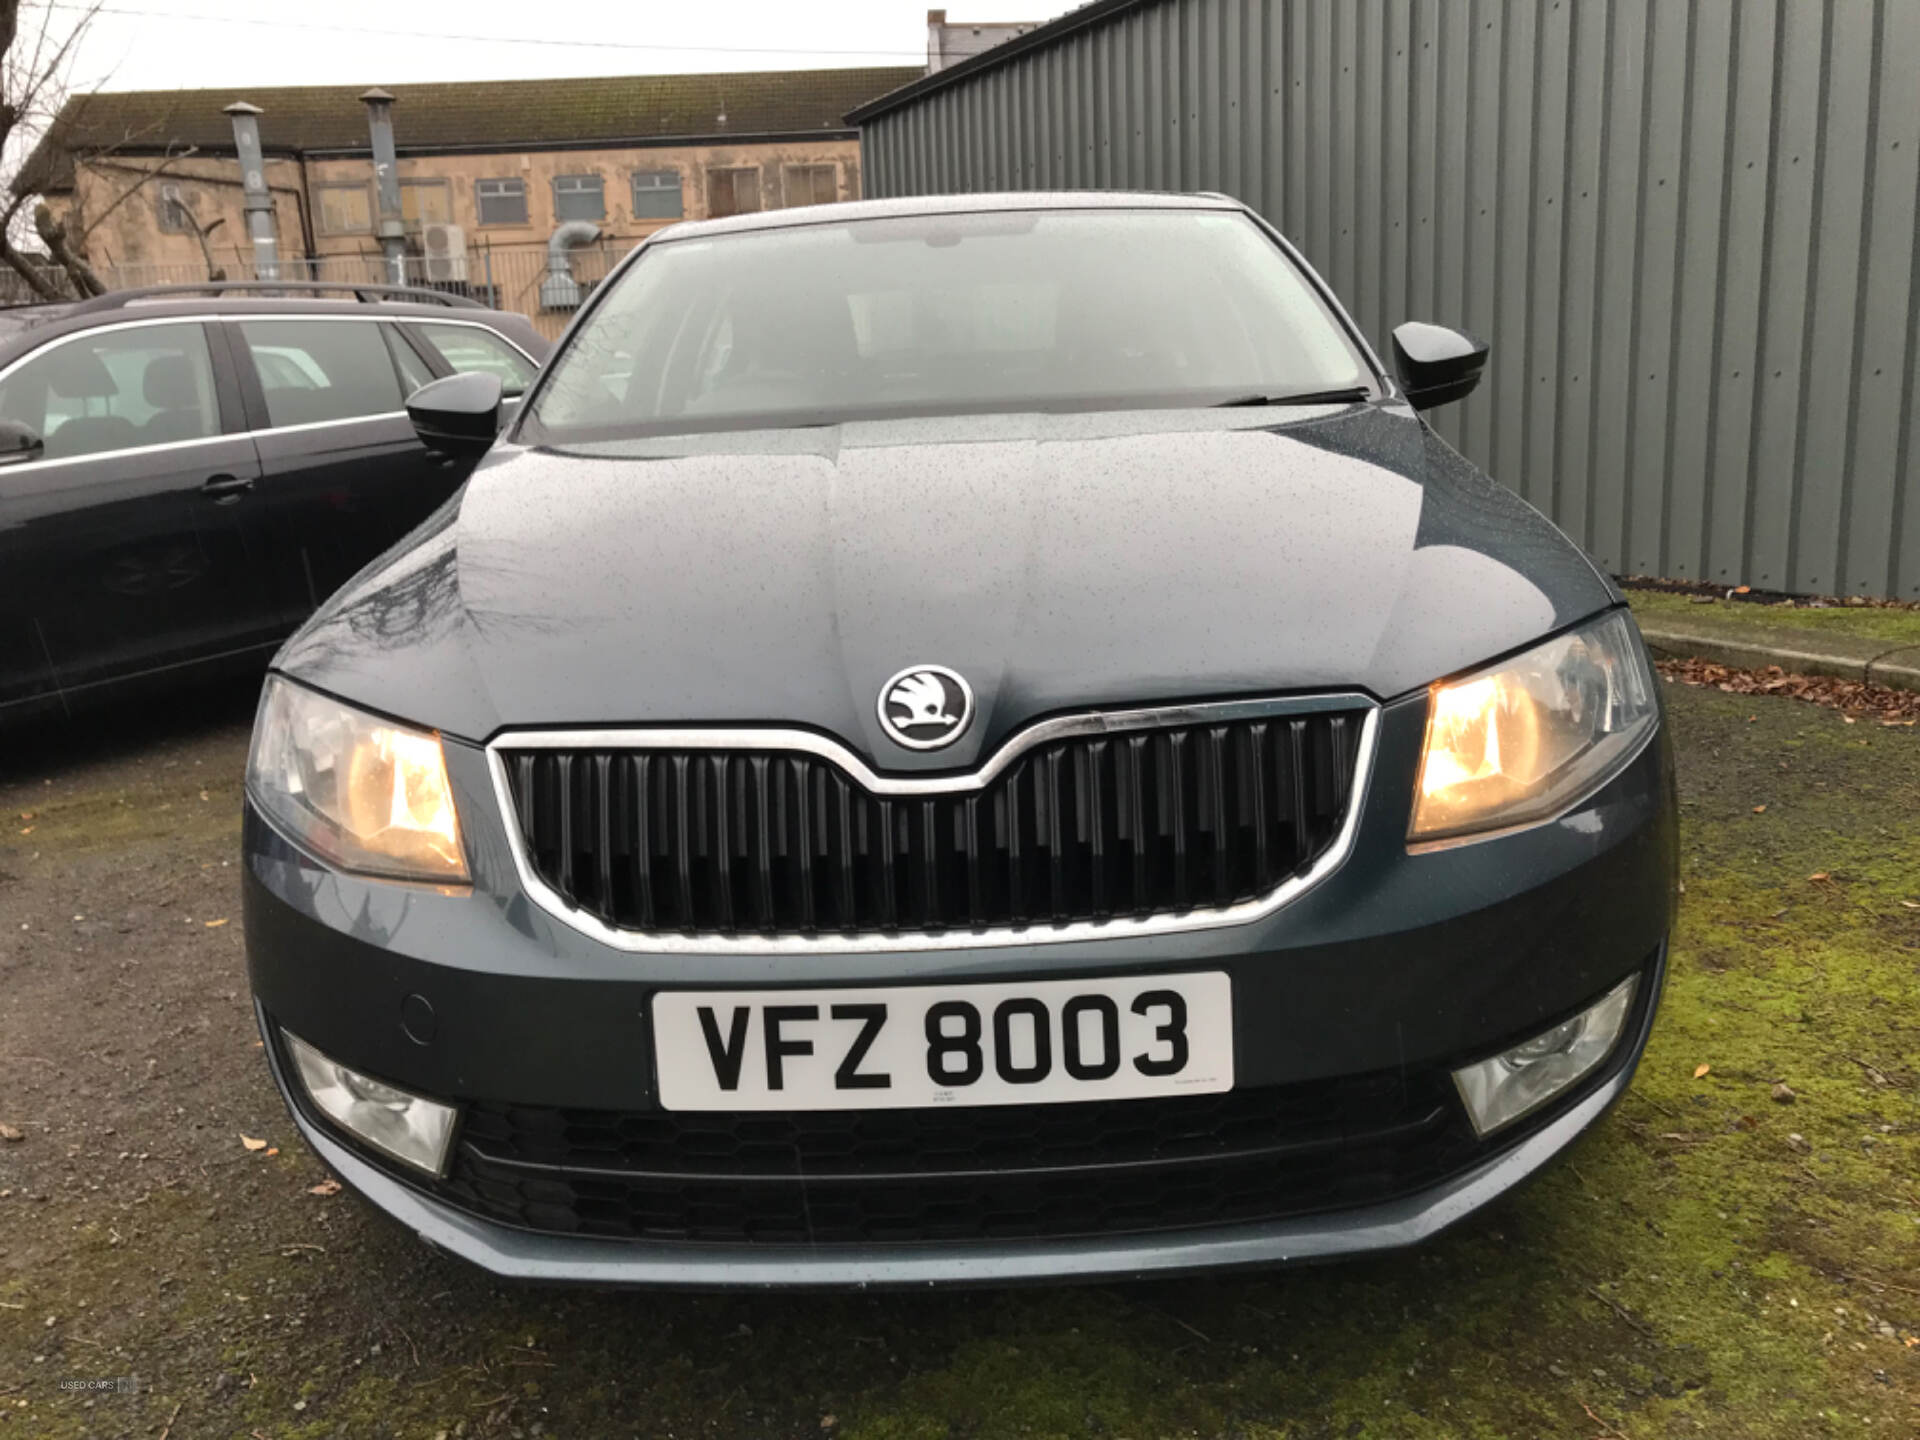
(812, 184)
(733, 192)
(656, 195)
(578, 197)
(343, 209)
(175, 218)
(501, 202)
(426, 202)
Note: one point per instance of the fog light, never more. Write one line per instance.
(405, 1126)
(1500, 1090)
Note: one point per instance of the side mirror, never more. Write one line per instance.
(457, 415)
(1436, 365)
(19, 443)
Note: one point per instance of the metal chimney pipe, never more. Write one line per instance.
(388, 224)
(257, 203)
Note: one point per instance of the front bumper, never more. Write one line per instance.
(1396, 963)
(555, 1259)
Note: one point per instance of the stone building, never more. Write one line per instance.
(488, 170)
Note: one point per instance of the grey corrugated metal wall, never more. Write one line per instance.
(1687, 227)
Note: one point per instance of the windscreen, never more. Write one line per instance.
(944, 314)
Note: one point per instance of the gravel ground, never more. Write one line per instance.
(1717, 1258)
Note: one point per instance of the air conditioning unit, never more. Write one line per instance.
(445, 248)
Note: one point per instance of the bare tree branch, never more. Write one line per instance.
(31, 274)
(54, 233)
(33, 95)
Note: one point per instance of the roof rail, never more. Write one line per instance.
(366, 294)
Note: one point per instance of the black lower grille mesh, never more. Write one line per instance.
(956, 1175)
(728, 842)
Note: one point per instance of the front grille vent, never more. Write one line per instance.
(739, 842)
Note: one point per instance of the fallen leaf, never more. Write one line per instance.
(1820, 875)
(27, 831)
(325, 1187)
(1783, 1093)
(10, 1134)
(253, 1144)
(1700, 1070)
(1742, 589)
(1759, 809)
(273, 1150)
(1852, 697)
(216, 924)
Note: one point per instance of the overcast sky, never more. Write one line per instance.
(234, 44)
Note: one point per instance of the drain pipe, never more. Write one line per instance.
(389, 226)
(255, 200)
(559, 290)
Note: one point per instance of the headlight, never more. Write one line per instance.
(362, 792)
(1527, 739)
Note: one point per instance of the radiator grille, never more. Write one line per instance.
(765, 842)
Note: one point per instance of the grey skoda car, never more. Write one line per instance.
(960, 740)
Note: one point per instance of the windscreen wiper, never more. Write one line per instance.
(1307, 397)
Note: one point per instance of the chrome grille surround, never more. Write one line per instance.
(811, 743)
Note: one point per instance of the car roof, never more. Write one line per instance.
(19, 322)
(847, 210)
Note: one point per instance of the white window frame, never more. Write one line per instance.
(480, 197)
(579, 185)
(678, 189)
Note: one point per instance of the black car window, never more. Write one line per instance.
(315, 370)
(468, 347)
(116, 389)
(943, 314)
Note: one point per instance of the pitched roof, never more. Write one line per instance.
(466, 115)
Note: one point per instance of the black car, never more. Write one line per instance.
(186, 472)
(971, 739)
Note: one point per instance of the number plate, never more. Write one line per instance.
(901, 1047)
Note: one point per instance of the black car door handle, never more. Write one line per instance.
(225, 489)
